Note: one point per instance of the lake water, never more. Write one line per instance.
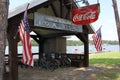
(74, 49)
(80, 49)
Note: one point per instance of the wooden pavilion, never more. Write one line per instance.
(49, 20)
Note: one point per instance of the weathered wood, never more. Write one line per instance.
(54, 10)
(86, 51)
(41, 47)
(3, 26)
(86, 46)
(13, 59)
(61, 8)
(13, 38)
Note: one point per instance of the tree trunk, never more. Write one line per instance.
(117, 19)
(3, 28)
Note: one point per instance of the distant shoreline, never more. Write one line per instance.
(74, 49)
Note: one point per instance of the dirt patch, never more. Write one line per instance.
(69, 73)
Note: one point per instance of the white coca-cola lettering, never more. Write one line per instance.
(86, 16)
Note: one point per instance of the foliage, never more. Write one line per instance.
(34, 43)
(74, 43)
(77, 43)
(106, 42)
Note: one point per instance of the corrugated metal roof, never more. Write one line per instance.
(22, 8)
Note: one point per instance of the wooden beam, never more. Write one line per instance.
(57, 35)
(35, 37)
(54, 10)
(61, 8)
(82, 37)
(67, 16)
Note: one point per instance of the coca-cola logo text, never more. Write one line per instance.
(85, 16)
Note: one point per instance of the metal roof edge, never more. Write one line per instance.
(22, 8)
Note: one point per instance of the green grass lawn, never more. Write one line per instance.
(108, 58)
(109, 62)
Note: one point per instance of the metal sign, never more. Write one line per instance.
(44, 21)
(86, 14)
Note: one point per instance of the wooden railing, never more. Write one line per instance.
(76, 59)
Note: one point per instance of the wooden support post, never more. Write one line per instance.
(41, 47)
(3, 28)
(86, 51)
(86, 47)
(40, 41)
(84, 38)
(13, 58)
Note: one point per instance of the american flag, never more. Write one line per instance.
(27, 57)
(97, 39)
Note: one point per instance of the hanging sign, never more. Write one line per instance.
(85, 15)
(44, 21)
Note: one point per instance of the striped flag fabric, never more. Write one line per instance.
(97, 39)
(27, 57)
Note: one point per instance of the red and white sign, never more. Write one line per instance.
(85, 15)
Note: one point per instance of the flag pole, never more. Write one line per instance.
(16, 33)
(100, 26)
(18, 27)
(27, 6)
(97, 1)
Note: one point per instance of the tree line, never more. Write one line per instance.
(78, 43)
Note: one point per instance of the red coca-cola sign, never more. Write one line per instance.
(85, 15)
